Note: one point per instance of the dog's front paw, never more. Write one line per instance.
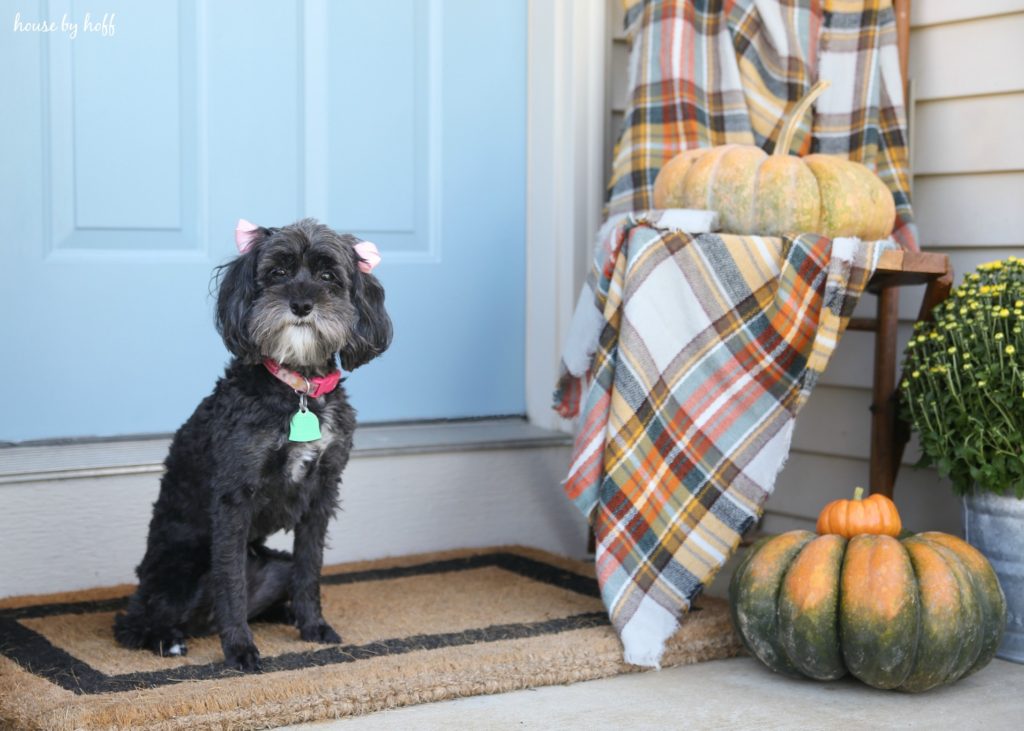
(246, 659)
(240, 651)
(320, 632)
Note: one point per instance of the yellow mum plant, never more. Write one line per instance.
(963, 382)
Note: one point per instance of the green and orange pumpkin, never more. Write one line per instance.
(909, 614)
(771, 195)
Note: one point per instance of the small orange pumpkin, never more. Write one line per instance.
(875, 514)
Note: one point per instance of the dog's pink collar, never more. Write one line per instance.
(312, 387)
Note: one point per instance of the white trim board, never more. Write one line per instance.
(90, 530)
(145, 455)
(565, 139)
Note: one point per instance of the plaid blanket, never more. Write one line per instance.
(711, 72)
(709, 347)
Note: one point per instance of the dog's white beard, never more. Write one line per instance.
(288, 340)
(298, 345)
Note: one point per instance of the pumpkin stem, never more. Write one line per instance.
(858, 493)
(797, 114)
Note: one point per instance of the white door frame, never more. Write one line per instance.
(567, 92)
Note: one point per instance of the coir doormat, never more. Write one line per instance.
(416, 629)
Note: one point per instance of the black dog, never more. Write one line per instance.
(288, 305)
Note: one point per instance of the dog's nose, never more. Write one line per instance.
(301, 308)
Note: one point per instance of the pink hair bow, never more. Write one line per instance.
(245, 234)
(368, 254)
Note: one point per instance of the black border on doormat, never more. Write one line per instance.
(33, 652)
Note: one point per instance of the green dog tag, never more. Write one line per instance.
(305, 427)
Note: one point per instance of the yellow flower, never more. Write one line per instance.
(915, 374)
(1004, 312)
(998, 336)
(1010, 350)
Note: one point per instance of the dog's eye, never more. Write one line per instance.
(328, 276)
(278, 273)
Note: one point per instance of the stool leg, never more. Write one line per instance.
(883, 406)
(935, 293)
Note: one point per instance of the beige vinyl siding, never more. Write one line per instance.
(618, 72)
(967, 71)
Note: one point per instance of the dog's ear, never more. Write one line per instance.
(372, 333)
(235, 297)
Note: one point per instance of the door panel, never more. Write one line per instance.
(130, 157)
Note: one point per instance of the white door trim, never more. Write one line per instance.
(567, 49)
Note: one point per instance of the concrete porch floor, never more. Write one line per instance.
(724, 694)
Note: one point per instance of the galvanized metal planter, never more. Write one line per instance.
(994, 524)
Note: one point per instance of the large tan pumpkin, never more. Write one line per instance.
(757, 193)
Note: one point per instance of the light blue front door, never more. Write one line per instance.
(129, 156)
